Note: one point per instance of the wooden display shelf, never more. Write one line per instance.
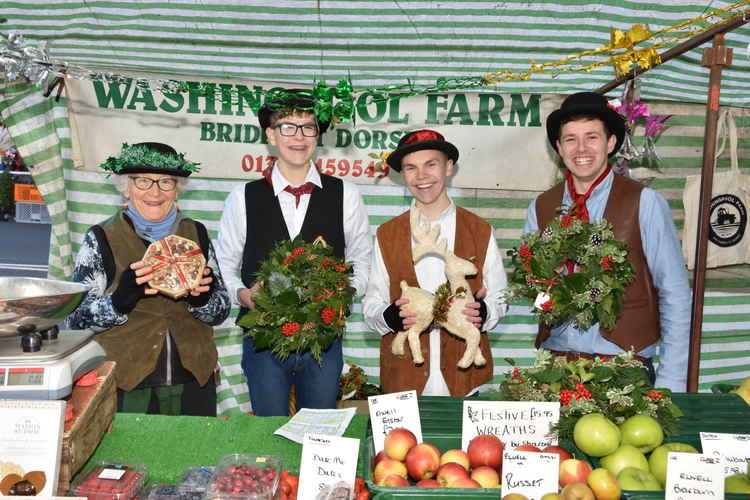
(93, 410)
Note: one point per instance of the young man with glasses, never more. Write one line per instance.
(291, 200)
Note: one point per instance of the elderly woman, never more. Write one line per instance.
(164, 348)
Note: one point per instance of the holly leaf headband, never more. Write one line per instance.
(143, 156)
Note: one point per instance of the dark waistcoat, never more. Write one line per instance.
(266, 226)
(638, 326)
(136, 345)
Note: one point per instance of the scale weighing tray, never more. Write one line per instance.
(50, 372)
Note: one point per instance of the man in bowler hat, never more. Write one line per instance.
(586, 132)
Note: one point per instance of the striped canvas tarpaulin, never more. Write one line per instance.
(375, 43)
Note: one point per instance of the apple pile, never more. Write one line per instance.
(403, 457)
(632, 455)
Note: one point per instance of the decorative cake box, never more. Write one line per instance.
(178, 265)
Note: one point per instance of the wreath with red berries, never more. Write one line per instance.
(572, 271)
(303, 302)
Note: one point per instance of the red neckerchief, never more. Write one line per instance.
(306, 188)
(579, 200)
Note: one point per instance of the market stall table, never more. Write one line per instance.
(169, 444)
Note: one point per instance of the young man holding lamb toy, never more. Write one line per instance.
(431, 304)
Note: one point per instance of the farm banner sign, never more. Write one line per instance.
(501, 137)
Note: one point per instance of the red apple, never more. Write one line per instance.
(486, 476)
(457, 456)
(422, 461)
(394, 480)
(464, 482)
(528, 447)
(387, 467)
(553, 448)
(398, 442)
(429, 483)
(451, 472)
(577, 491)
(573, 470)
(486, 449)
(381, 454)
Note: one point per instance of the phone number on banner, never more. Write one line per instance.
(340, 167)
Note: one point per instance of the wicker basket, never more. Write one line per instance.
(93, 410)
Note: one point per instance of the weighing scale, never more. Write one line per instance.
(37, 360)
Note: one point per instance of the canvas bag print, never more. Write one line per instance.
(728, 209)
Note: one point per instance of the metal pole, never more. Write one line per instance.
(716, 58)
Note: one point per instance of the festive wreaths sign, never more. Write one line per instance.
(573, 271)
(302, 305)
(616, 387)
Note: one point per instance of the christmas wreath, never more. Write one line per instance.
(573, 271)
(302, 304)
(616, 387)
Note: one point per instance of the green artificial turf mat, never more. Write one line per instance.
(169, 444)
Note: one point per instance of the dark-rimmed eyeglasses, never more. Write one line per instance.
(290, 129)
(145, 183)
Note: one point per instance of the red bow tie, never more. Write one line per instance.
(305, 188)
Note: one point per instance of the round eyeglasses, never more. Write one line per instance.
(290, 129)
(145, 183)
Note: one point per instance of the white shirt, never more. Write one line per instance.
(430, 271)
(233, 229)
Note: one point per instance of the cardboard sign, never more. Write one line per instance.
(693, 476)
(515, 422)
(391, 411)
(529, 473)
(30, 440)
(328, 467)
(733, 449)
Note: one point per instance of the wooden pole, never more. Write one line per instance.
(677, 50)
(715, 58)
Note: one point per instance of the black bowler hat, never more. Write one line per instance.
(150, 158)
(298, 99)
(586, 103)
(417, 141)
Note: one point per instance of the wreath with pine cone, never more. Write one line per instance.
(304, 300)
(573, 271)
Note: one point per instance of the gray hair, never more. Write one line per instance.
(123, 186)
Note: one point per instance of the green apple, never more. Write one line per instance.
(596, 435)
(642, 431)
(632, 478)
(657, 462)
(626, 455)
(737, 483)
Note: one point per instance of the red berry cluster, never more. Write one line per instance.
(244, 479)
(516, 372)
(297, 251)
(290, 328)
(581, 392)
(605, 262)
(327, 315)
(525, 252)
(655, 394)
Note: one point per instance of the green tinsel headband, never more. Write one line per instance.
(153, 158)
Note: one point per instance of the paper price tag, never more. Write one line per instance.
(693, 476)
(391, 411)
(515, 423)
(529, 473)
(328, 467)
(733, 449)
(115, 474)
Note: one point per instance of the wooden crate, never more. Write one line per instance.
(93, 410)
